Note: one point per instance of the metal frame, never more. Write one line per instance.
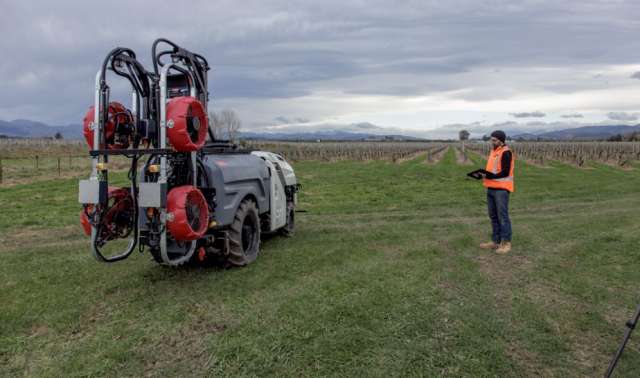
(97, 139)
(164, 124)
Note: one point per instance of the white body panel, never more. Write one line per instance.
(287, 170)
(278, 197)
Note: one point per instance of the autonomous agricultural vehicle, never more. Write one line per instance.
(191, 197)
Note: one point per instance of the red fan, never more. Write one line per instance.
(187, 119)
(118, 126)
(189, 214)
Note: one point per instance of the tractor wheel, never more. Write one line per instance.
(244, 235)
(289, 228)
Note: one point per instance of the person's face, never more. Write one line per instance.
(495, 142)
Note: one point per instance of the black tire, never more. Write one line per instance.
(244, 235)
(289, 229)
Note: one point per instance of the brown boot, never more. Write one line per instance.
(504, 248)
(489, 245)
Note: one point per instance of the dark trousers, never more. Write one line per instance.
(498, 205)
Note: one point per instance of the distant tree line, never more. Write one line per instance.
(632, 137)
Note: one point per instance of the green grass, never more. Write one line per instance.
(383, 278)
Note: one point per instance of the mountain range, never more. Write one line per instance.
(32, 129)
(23, 128)
(581, 133)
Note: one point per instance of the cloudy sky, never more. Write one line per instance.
(425, 68)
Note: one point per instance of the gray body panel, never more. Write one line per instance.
(235, 176)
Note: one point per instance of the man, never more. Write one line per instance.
(499, 184)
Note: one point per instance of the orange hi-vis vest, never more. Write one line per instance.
(494, 165)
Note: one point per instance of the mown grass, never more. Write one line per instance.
(383, 278)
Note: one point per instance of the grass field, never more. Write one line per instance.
(383, 278)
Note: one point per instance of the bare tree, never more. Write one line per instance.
(225, 124)
(216, 126)
(231, 123)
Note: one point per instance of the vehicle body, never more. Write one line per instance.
(193, 199)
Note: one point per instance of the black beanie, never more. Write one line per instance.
(500, 135)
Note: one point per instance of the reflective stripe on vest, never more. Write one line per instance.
(494, 165)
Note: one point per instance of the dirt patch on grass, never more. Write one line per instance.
(409, 157)
(528, 360)
(26, 171)
(33, 236)
(393, 251)
(501, 271)
(186, 348)
(618, 316)
(11, 182)
(536, 163)
(38, 330)
(462, 158)
(435, 155)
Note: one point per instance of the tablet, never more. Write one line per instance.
(477, 174)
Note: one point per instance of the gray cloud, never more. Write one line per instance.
(366, 126)
(635, 75)
(536, 114)
(622, 116)
(266, 50)
(287, 120)
(572, 115)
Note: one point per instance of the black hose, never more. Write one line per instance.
(154, 57)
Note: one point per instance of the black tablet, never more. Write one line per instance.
(477, 174)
